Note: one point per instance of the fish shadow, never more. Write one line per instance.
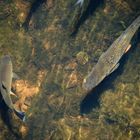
(93, 4)
(34, 7)
(6, 116)
(92, 98)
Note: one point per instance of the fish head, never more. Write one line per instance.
(6, 60)
(5, 65)
(93, 78)
(89, 82)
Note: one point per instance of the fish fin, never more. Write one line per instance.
(114, 68)
(20, 114)
(4, 86)
(79, 2)
(127, 49)
(12, 93)
(15, 76)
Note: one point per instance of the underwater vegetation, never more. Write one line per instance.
(52, 64)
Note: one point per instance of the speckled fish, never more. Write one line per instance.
(6, 74)
(109, 60)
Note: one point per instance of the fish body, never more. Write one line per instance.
(109, 60)
(6, 74)
(6, 80)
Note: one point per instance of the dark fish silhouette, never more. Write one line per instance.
(36, 4)
(109, 60)
(6, 116)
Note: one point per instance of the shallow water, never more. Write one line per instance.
(52, 64)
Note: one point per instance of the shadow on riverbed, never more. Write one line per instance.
(6, 117)
(5, 114)
(92, 99)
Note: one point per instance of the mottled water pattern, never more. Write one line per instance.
(52, 65)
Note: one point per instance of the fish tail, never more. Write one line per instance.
(20, 114)
(79, 2)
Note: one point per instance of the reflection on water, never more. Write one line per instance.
(47, 61)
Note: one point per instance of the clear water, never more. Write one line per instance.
(49, 58)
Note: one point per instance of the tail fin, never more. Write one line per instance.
(20, 114)
(79, 2)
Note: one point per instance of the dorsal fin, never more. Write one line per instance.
(3, 86)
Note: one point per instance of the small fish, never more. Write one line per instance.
(109, 60)
(79, 2)
(6, 75)
(36, 4)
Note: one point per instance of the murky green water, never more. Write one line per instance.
(111, 113)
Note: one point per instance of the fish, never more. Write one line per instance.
(79, 2)
(6, 75)
(109, 61)
(36, 4)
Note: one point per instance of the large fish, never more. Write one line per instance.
(6, 75)
(109, 60)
